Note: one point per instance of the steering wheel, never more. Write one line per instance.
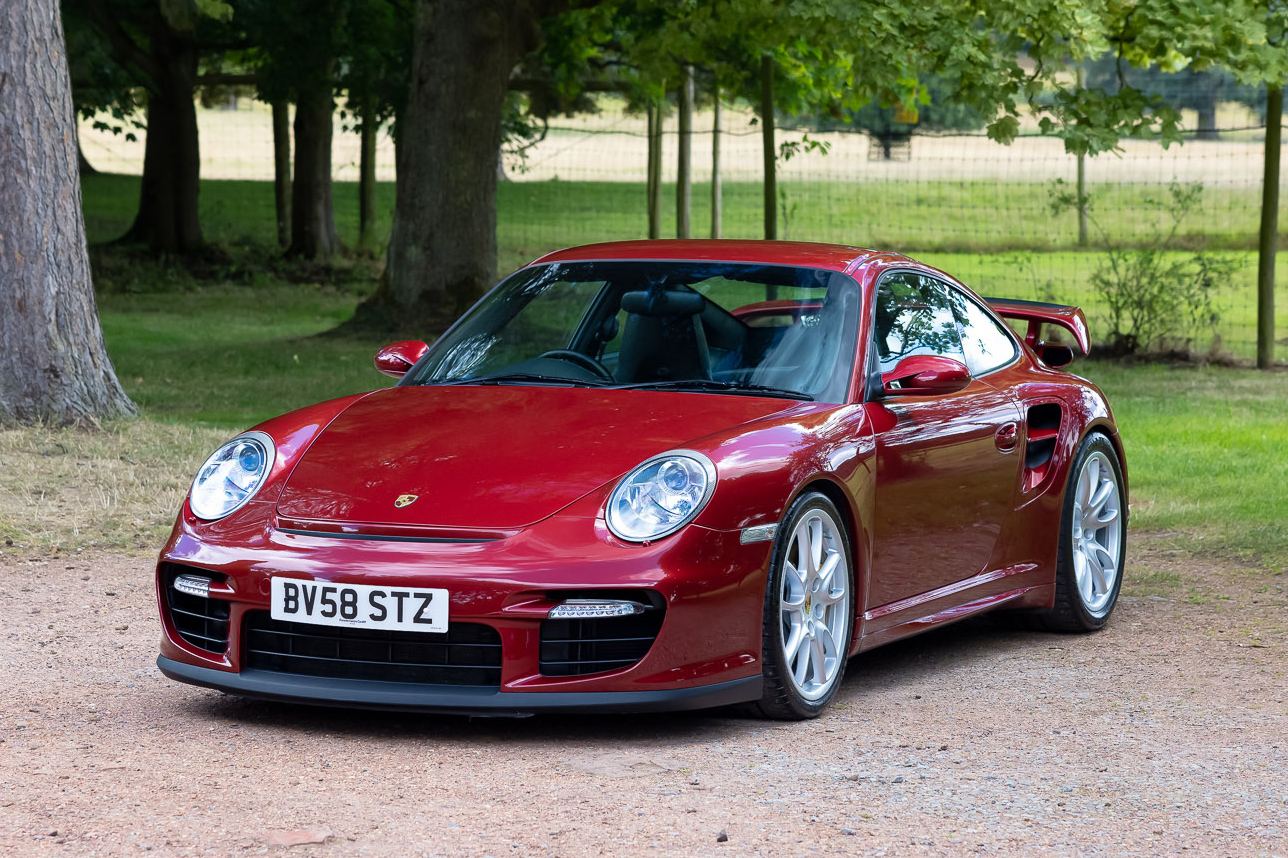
(582, 360)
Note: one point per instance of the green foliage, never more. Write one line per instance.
(1155, 299)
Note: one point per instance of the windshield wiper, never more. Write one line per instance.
(528, 377)
(743, 388)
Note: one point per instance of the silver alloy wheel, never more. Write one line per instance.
(1097, 534)
(813, 605)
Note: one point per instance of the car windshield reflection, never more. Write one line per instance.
(725, 328)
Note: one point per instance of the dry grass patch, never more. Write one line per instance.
(117, 487)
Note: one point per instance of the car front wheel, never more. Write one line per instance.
(809, 611)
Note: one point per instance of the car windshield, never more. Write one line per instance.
(716, 327)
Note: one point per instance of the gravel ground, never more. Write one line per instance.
(1163, 735)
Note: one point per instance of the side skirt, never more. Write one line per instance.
(940, 607)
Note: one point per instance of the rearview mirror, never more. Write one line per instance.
(395, 360)
(925, 375)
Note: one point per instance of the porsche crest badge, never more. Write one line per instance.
(405, 500)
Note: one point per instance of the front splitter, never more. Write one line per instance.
(455, 699)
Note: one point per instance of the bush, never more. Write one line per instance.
(1158, 298)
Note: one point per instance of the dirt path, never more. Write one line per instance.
(1165, 734)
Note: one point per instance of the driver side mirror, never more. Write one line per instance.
(395, 360)
(925, 375)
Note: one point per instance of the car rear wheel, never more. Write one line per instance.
(1093, 540)
(809, 611)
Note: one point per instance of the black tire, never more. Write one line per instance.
(1074, 610)
(785, 698)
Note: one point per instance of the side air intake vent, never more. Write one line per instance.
(1043, 432)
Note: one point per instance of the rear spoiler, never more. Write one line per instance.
(1039, 313)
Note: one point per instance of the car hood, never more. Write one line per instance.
(492, 457)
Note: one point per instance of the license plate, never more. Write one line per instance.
(394, 608)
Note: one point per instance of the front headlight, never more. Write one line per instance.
(232, 475)
(661, 496)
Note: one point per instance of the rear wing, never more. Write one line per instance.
(1037, 314)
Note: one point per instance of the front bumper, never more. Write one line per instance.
(707, 652)
(461, 700)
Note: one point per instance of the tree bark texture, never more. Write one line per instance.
(312, 216)
(1268, 241)
(442, 246)
(367, 177)
(717, 184)
(53, 364)
(282, 170)
(770, 152)
(654, 189)
(684, 160)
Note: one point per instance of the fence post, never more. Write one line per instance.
(767, 140)
(717, 191)
(1268, 240)
(684, 161)
(654, 191)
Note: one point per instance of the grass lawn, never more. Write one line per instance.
(998, 238)
(1207, 447)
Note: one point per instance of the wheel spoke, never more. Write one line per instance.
(801, 665)
(818, 660)
(816, 543)
(826, 573)
(1099, 584)
(793, 575)
(1110, 561)
(1107, 517)
(827, 642)
(792, 647)
(803, 551)
(1098, 500)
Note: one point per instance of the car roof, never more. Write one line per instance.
(835, 257)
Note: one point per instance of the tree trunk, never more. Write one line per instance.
(53, 364)
(1207, 129)
(684, 160)
(1269, 239)
(367, 177)
(167, 220)
(312, 218)
(442, 246)
(717, 185)
(654, 170)
(769, 146)
(282, 169)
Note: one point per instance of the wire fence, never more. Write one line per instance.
(989, 214)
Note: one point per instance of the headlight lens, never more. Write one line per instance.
(232, 475)
(661, 496)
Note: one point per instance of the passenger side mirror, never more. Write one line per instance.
(395, 360)
(925, 375)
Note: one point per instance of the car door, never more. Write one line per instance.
(946, 463)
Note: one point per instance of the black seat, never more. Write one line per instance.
(663, 339)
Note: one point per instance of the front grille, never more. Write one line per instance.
(201, 622)
(467, 654)
(579, 647)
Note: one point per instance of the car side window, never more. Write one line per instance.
(914, 317)
(986, 344)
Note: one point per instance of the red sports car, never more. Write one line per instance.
(656, 475)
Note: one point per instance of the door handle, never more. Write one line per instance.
(1007, 437)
